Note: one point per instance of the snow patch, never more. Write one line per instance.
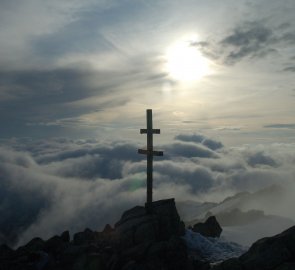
(211, 249)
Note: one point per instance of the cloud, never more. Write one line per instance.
(289, 69)
(25, 23)
(212, 144)
(189, 150)
(43, 96)
(260, 158)
(63, 98)
(64, 184)
(252, 39)
(197, 138)
(287, 126)
(248, 40)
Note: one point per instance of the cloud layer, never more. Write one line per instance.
(49, 186)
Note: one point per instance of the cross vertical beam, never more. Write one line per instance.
(150, 153)
(149, 167)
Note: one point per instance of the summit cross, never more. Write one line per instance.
(150, 153)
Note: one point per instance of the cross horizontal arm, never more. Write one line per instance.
(144, 131)
(149, 152)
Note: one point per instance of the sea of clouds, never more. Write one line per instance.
(49, 186)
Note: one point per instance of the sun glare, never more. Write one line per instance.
(184, 62)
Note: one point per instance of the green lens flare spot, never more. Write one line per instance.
(136, 183)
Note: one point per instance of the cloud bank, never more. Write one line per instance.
(58, 184)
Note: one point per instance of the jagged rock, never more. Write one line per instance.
(65, 236)
(149, 237)
(107, 229)
(144, 238)
(210, 228)
(55, 245)
(139, 226)
(169, 220)
(34, 245)
(86, 237)
(270, 253)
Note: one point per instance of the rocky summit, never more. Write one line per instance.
(145, 238)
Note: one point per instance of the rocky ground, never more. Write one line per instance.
(144, 238)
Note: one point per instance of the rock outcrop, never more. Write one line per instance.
(150, 237)
(144, 238)
(210, 228)
(270, 253)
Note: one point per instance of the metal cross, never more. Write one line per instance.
(149, 152)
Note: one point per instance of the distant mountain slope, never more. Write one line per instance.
(247, 234)
(244, 217)
(244, 201)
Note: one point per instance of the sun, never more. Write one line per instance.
(184, 62)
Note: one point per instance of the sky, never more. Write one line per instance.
(91, 68)
(76, 78)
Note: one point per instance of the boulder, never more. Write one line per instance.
(159, 223)
(150, 237)
(210, 228)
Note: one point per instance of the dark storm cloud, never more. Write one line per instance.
(288, 126)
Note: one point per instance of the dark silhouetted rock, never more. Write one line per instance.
(150, 237)
(5, 252)
(55, 245)
(108, 229)
(210, 228)
(65, 236)
(139, 226)
(142, 239)
(34, 245)
(86, 237)
(270, 253)
(198, 265)
(92, 261)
